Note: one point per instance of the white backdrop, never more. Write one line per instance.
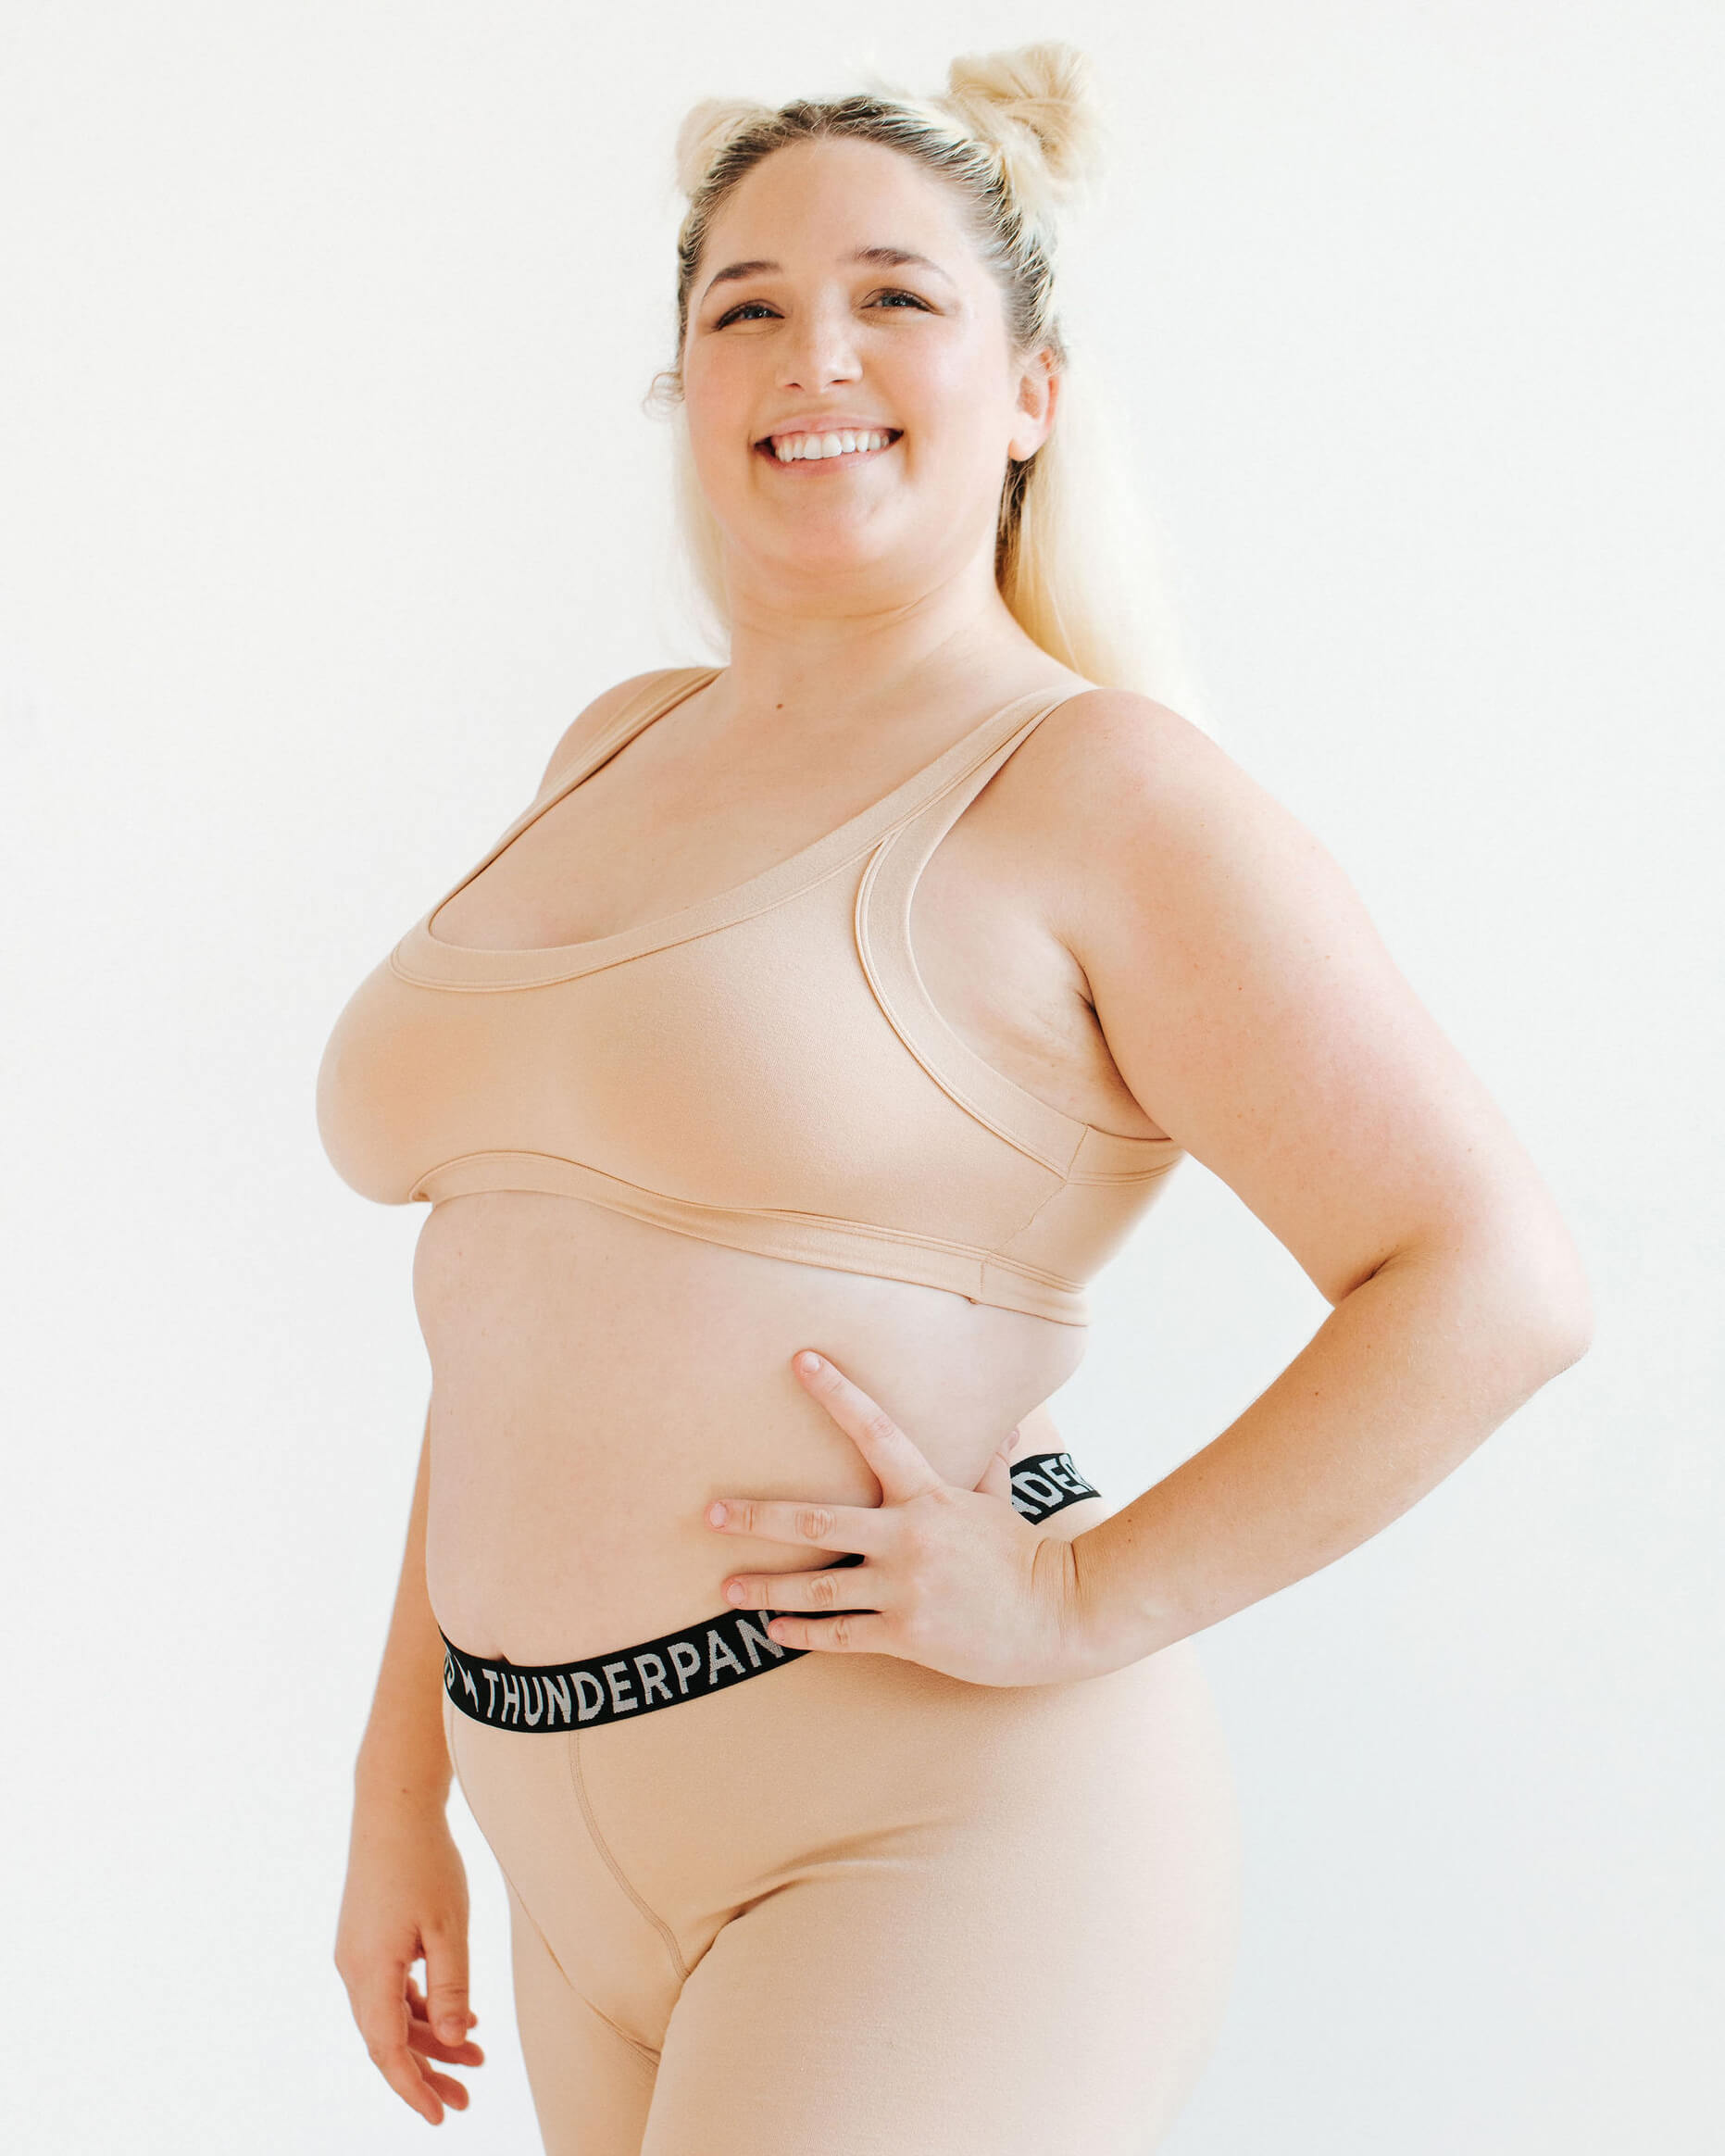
(325, 501)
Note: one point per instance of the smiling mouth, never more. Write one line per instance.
(847, 456)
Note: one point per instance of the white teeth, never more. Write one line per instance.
(796, 447)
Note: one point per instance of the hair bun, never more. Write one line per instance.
(705, 128)
(1038, 105)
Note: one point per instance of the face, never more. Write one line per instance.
(800, 324)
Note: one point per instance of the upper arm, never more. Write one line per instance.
(1253, 1011)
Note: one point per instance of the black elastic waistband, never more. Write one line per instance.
(1046, 1482)
(704, 1657)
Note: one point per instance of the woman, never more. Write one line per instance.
(855, 999)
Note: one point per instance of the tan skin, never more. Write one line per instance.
(1122, 921)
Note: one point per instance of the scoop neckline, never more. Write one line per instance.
(806, 865)
(628, 725)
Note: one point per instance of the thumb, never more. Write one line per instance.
(997, 1476)
(446, 1981)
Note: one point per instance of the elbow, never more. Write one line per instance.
(1579, 1337)
(1571, 1336)
(1554, 1294)
(1525, 1290)
(1578, 1307)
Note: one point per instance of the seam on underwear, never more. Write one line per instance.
(455, 1750)
(999, 1255)
(645, 2056)
(768, 904)
(869, 1230)
(603, 1847)
(1111, 1176)
(956, 1089)
(626, 958)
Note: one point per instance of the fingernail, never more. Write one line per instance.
(808, 1362)
(450, 2028)
(715, 1515)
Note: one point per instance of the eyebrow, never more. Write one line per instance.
(888, 257)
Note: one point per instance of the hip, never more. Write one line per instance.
(1106, 1795)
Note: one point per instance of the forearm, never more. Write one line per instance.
(1410, 1373)
(401, 1758)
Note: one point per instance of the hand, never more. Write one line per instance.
(406, 1897)
(952, 1578)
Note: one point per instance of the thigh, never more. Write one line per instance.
(592, 1981)
(591, 2083)
(1009, 1925)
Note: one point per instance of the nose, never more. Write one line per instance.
(819, 350)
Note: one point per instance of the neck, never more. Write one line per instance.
(853, 652)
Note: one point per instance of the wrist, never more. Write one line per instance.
(1119, 1618)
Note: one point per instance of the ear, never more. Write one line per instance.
(1039, 394)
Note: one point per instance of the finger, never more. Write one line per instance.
(855, 1632)
(424, 2039)
(858, 1528)
(417, 2006)
(455, 2093)
(803, 1590)
(383, 2024)
(382, 2016)
(899, 1467)
(445, 1945)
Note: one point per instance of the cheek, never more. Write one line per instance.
(952, 421)
(717, 402)
(950, 456)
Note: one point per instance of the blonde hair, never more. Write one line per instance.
(1017, 135)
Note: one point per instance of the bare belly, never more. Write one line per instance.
(597, 1381)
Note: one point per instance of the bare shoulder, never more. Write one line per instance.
(1250, 1004)
(1169, 823)
(592, 721)
(1114, 745)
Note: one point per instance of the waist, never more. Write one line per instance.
(539, 1569)
(597, 1382)
(715, 1651)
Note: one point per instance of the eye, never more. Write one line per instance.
(737, 314)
